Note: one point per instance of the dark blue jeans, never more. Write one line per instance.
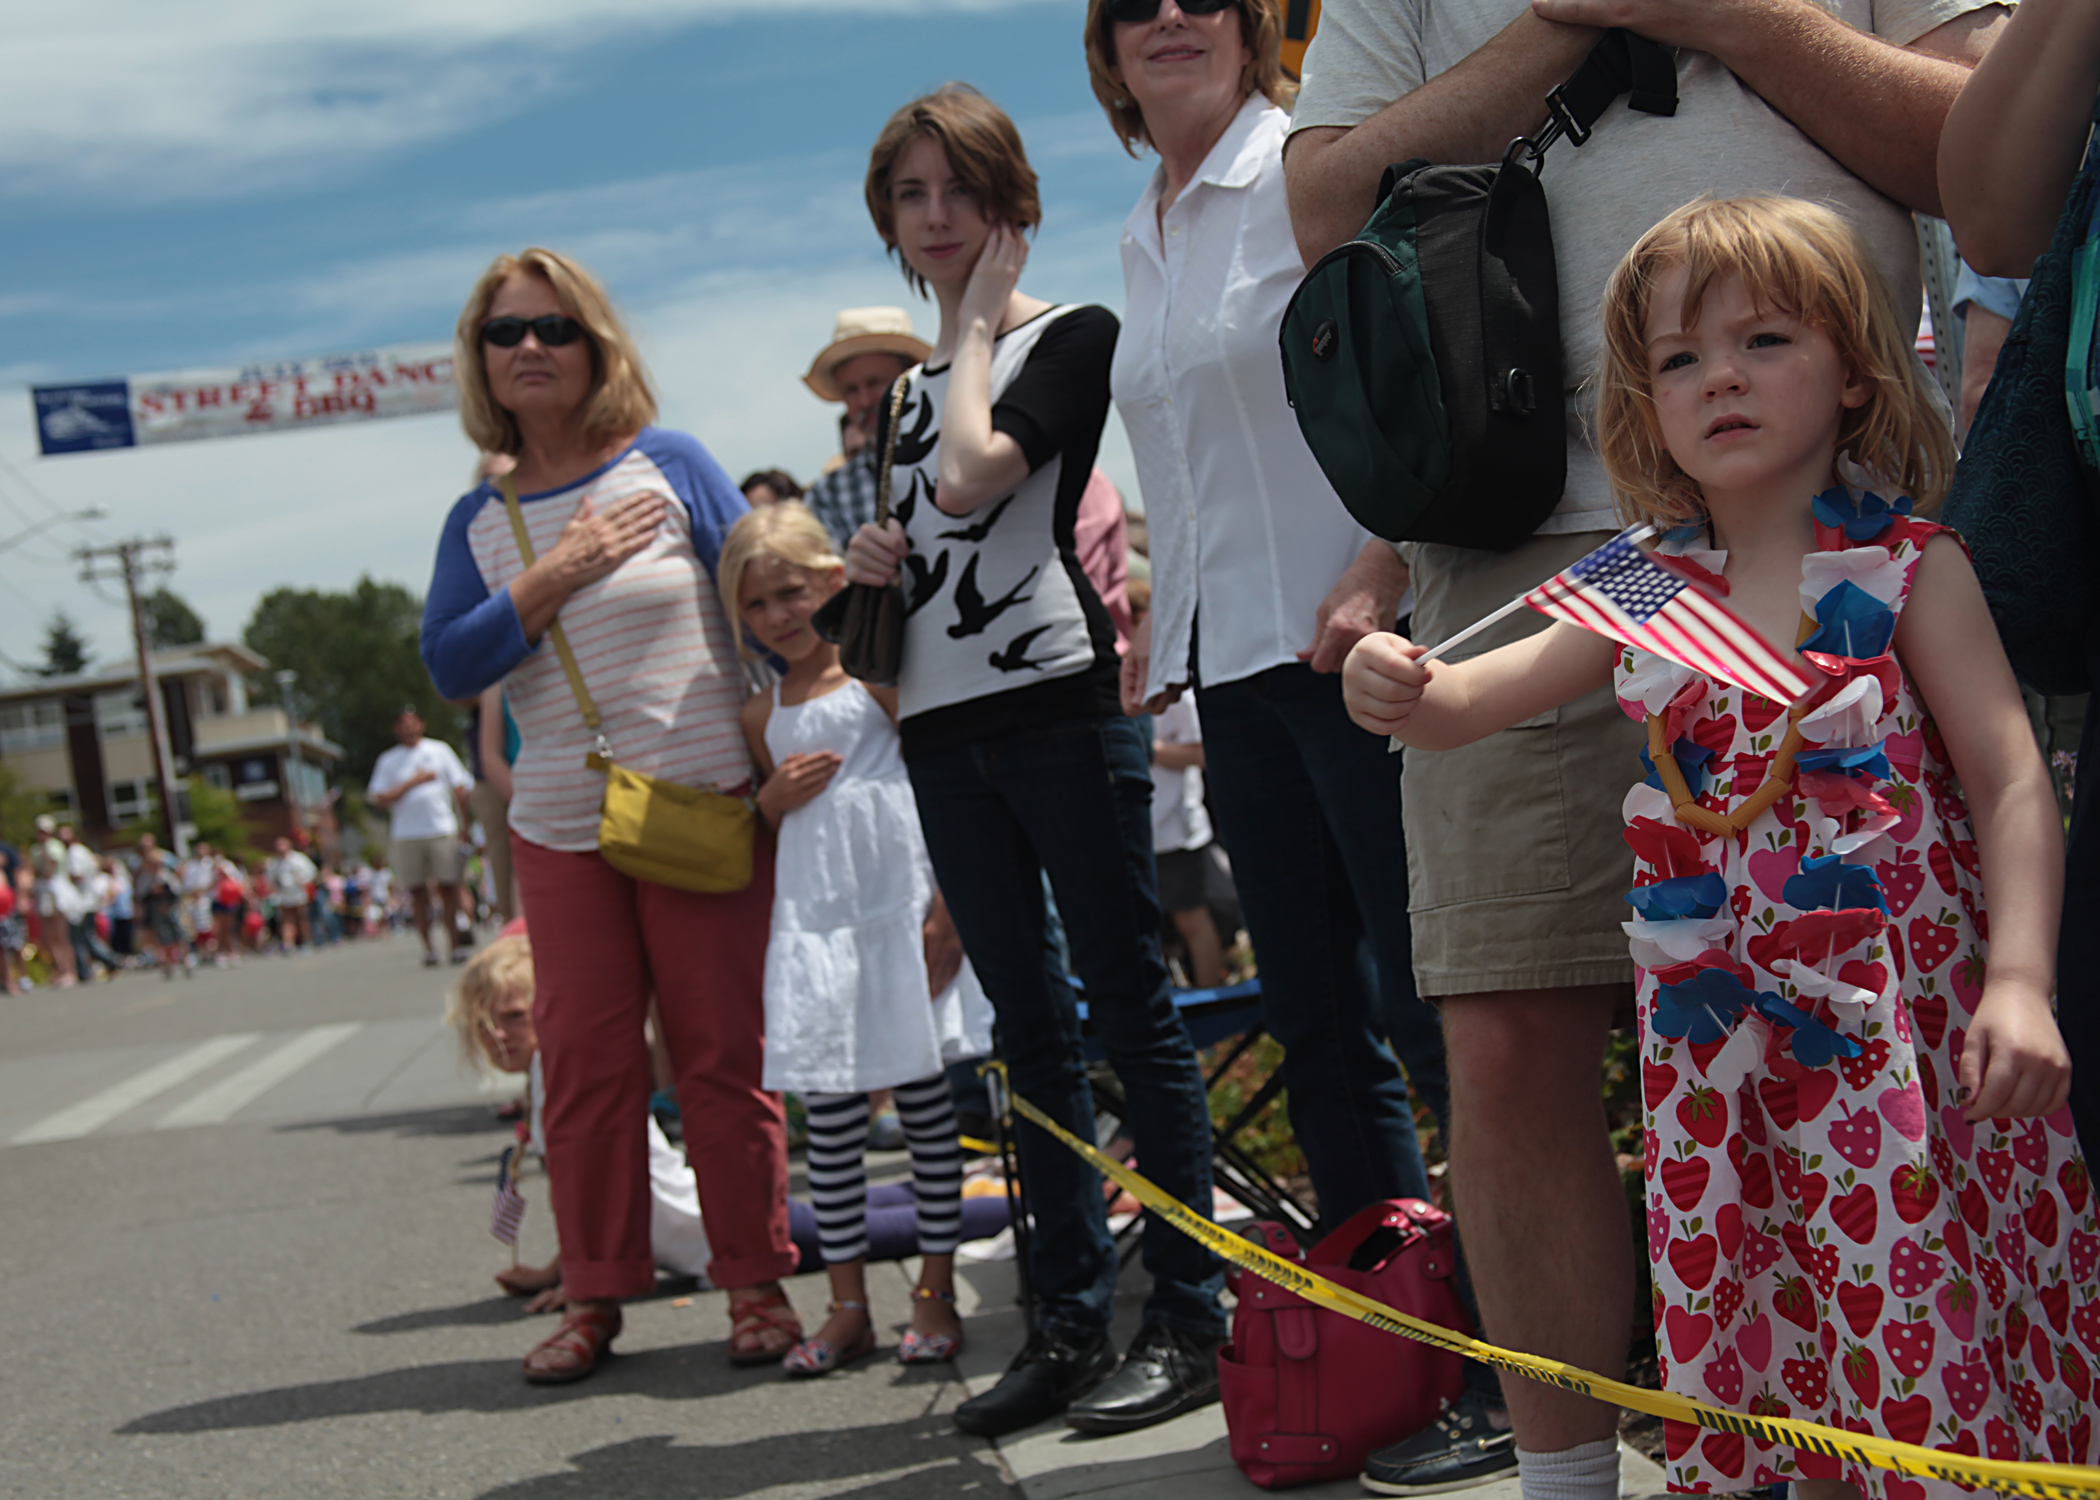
(1308, 806)
(1075, 801)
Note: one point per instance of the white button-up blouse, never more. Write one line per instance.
(1242, 523)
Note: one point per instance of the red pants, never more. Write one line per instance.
(602, 944)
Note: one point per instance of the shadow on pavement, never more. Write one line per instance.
(456, 1119)
(484, 1312)
(489, 1312)
(657, 1465)
(691, 1372)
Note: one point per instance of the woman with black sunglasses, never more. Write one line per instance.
(626, 522)
(1246, 530)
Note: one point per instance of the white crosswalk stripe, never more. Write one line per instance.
(97, 1110)
(220, 1102)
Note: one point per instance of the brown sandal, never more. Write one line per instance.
(762, 1329)
(574, 1350)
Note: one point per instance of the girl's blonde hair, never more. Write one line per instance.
(789, 531)
(1792, 255)
(620, 400)
(1261, 28)
(503, 967)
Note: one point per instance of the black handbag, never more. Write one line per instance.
(864, 620)
(1423, 358)
(2023, 499)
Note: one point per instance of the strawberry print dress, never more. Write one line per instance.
(1830, 1240)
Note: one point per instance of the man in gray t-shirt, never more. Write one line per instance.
(1515, 864)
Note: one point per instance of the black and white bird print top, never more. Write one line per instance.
(1005, 632)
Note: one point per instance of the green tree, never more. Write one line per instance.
(18, 808)
(169, 619)
(217, 814)
(358, 662)
(65, 648)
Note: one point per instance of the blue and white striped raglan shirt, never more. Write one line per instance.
(652, 638)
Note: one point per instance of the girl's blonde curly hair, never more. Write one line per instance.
(1793, 255)
(502, 968)
(789, 531)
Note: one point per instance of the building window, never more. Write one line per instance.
(255, 779)
(129, 801)
(60, 803)
(216, 774)
(120, 714)
(37, 725)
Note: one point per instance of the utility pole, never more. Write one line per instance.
(128, 562)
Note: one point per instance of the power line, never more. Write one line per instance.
(52, 506)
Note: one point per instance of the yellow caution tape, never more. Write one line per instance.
(2041, 1481)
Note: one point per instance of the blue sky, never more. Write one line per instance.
(196, 186)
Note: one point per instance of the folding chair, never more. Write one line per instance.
(1233, 1013)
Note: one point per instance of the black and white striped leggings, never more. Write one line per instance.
(838, 1182)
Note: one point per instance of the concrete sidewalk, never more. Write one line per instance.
(1180, 1460)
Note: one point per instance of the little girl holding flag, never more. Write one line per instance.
(1867, 1206)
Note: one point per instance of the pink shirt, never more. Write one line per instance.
(1103, 544)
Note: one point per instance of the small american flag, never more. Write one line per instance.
(510, 1203)
(1631, 596)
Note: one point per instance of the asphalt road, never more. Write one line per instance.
(244, 1236)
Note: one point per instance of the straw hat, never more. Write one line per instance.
(864, 330)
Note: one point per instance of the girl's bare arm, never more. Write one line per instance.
(2014, 1063)
(1442, 705)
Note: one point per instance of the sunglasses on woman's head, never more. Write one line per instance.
(1132, 11)
(553, 330)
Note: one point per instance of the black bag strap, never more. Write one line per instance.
(1621, 63)
(889, 449)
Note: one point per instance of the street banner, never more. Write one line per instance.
(405, 380)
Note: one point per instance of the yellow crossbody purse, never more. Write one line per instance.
(688, 837)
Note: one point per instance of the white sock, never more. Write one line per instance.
(1589, 1472)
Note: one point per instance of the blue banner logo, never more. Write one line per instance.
(83, 418)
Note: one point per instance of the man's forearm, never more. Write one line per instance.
(2013, 139)
(1876, 108)
(1469, 113)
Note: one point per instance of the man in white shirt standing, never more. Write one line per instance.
(291, 881)
(423, 787)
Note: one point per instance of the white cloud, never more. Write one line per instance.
(178, 101)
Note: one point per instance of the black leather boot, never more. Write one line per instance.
(1050, 1370)
(1166, 1373)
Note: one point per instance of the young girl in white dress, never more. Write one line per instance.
(850, 1005)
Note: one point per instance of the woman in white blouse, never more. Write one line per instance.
(1248, 536)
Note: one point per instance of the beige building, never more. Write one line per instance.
(84, 742)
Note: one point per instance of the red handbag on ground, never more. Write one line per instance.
(1308, 1393)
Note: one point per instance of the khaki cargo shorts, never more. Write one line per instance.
(1517, 870)
(417, 862)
